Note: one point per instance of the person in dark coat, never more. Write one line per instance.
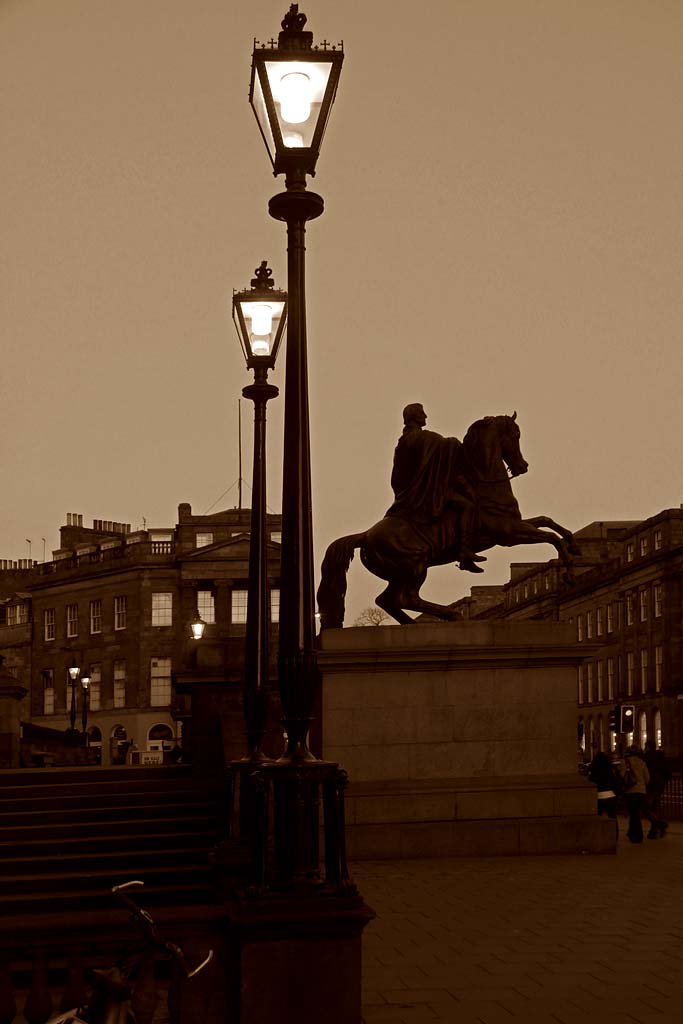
(660, 773)
(601, 772)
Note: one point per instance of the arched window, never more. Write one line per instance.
(95, 735)
(612, 741)
(658, 728)
(160, 737)
(642, 728)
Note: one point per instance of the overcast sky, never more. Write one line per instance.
(503, 183)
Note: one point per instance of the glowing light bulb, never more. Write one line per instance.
(261, 318)
(260, 346)
(295, 97)
(293, 140)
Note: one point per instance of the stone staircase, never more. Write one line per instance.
(68, 835)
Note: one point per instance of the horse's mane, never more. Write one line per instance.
(475, 438)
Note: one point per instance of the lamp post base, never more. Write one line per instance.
(297, 958)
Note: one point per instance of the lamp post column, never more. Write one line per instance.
(297, 663)
(256, 666)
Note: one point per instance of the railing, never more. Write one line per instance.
(142, 550)
(671, 801)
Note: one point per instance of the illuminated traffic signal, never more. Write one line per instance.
(628, 718)
(614, 718)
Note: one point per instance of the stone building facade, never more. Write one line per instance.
(119, 604)
(627, 598)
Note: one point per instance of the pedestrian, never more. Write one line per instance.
(636, 778)
(602, 773)
(660, 773)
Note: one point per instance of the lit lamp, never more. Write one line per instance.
(74, 672)
(292, 89)
(85, 683)
(197, 627)
(259, 313)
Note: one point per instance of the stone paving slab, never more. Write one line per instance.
(551, 940)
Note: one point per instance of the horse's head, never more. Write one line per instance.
(508, 437)
(491, 440)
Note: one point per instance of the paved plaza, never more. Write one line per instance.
(559, 939)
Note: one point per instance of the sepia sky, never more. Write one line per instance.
(503, 183)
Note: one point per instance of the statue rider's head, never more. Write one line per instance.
(414, 415)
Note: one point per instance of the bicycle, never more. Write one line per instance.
(113, 989)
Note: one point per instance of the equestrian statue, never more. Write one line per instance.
(453, 499)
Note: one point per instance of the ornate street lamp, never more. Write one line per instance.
(260, 313)
(85, 683)
(293, 85)
(197, 626)
(74, 672)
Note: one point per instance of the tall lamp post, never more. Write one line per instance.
(293, 85)
(313, 969)
(260, 313)
(74, 672)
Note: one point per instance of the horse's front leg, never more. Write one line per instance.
(566, 534)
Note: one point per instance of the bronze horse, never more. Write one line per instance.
(401, 552)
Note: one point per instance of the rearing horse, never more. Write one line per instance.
(401, 552)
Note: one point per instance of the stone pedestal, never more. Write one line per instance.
(459, 738)
(11, 695)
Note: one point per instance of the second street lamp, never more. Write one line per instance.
(260, 313)
(74, 672)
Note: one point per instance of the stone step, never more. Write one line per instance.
(45, 875)
(66, 803)
(91, 774)
(105, 823)
(27, 852)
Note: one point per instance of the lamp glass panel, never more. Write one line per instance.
(261, 111)
(298, 89)
(262, 319)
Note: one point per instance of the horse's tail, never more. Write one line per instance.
(332, 589)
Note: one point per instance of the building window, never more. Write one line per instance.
(546, 580)
(658, 728)
(659, 667)
(162, 609)
(120, 612)
(598, 622)
(658, 595)
(629, 608)
(643, 546)
(579, 628)
(589, 682)
(49, 624)
(535, 586)
(589, 625)
(276, 537)
(203, 540)
(275, 606)
(238, 610)
(95, 687)
(610, 679)
(642, 598)
(48, 691)
(610, 618)
(206, 606)
(120, 684)
(643, 671)
(657, 537)
(526, 591)
(160, 682)
(579, 679)
(72, 620)
(17, 614)
(642, 728)
(96, 616)
(599, 674)
(630, 551)
(630, 672)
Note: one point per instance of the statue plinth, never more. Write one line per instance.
(459, 739)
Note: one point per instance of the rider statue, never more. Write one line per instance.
(429, 487)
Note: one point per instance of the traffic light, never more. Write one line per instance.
(628, 718)
(614, 719)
